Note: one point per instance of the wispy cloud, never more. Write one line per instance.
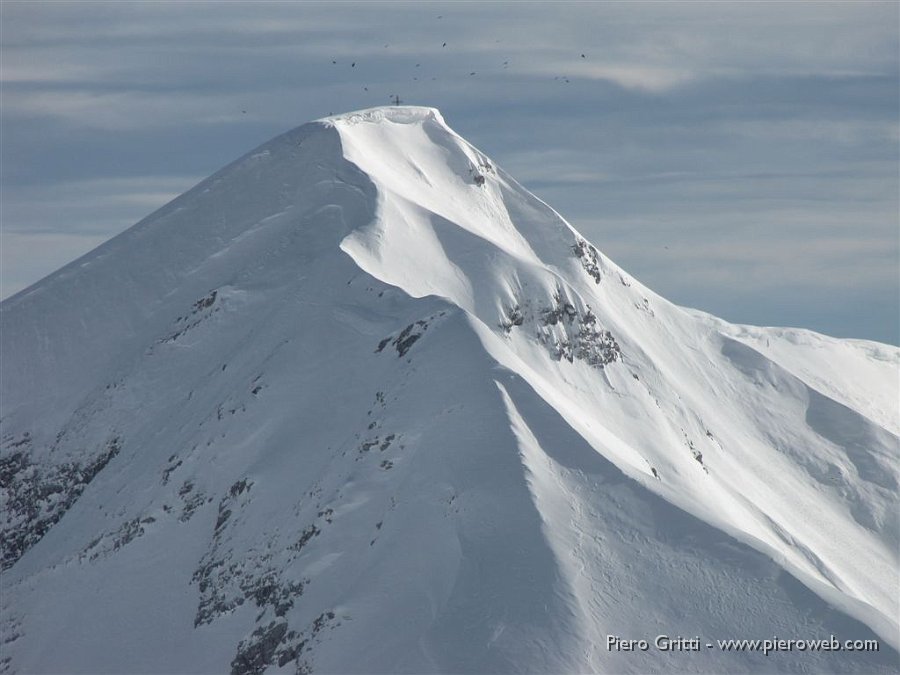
(47, 226)
(630, 76)
(101, 206)
(27, 258)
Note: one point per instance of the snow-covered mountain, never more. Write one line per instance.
(359, 402)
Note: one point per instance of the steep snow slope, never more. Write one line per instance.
(361, 403)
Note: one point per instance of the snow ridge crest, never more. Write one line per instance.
(404, 114)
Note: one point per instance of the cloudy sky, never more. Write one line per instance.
(741, 158)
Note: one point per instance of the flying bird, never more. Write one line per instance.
(444, 45)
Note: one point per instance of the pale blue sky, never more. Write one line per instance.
(741, 158)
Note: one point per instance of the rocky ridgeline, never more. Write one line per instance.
(566, 332)
(227, 580)
(276, 644)
(201, 310)
(224, 582)
(589, 258)
(33, 497)
(406, 338)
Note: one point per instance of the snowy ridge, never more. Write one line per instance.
(359, 402)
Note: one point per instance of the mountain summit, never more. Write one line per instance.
(359, 402)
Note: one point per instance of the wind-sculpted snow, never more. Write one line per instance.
(360, 402)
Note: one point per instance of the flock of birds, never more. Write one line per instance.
(395, 98)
